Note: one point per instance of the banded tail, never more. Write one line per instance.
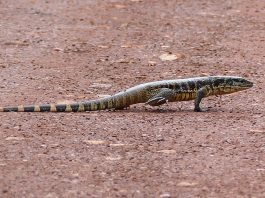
(91, 105)
(117, 101)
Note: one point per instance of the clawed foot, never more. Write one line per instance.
(156, 101)
(200, 110)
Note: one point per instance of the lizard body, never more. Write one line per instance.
(152, 93)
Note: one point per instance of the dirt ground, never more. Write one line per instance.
(71, 50)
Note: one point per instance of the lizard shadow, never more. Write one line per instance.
(166, 111)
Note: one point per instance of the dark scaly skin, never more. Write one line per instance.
(153, 93)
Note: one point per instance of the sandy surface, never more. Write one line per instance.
(54, 51)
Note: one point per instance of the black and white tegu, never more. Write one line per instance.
(152, 93)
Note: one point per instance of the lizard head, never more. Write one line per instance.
(231, 84)
(239, 83)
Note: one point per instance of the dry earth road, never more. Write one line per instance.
(71, 50)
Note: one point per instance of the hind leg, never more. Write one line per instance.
(161, 97)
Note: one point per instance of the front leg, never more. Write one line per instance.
(201, 93)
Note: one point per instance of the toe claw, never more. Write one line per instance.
(198, 109)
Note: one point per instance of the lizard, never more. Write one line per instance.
(151, 93)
